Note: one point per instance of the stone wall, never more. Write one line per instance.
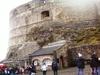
(25, 18)
(21, 23)
(67, 55)
(86, 50)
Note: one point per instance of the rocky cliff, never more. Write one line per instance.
(77, 34)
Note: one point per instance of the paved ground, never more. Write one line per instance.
(69, 71)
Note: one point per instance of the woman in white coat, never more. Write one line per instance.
(44, 68)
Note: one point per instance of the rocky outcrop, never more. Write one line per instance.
(75, 36)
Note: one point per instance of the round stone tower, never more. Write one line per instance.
(43, 12)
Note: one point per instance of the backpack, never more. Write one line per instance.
(55, 65)
(80, 63)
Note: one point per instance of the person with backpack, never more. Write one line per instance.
(80, 63)
(55, 67)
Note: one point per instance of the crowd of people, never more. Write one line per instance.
(94, 63)
(55, 67)
(14, 70)
(44, 68)
(31, 69)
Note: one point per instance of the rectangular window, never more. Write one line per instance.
(45, 14)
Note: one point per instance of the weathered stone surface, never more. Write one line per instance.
(63, 21)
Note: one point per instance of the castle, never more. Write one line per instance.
(39, 23)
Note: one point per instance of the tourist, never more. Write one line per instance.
(33, 69)
(29, 69)
(22, 70)
(80, 62)
(55, 67)
(94, 64)
(12, 71)
(7, 71)
(98, 68)
(44, 68)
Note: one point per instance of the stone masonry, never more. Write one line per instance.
(37, 13)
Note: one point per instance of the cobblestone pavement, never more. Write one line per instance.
(69, 71)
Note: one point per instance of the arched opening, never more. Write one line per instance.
(62, 61)
(71, 56)
(47, 61)
(36, 62)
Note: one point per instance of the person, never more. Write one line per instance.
(94, 64)
(80, 63)
(55, 67)
(6, 71)
(12, 71)
(22, 70)
(44, 68)
(29, 69)
(33, 69)
(98, 68)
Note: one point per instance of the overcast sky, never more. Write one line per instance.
(5, 7)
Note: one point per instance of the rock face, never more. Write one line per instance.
(40, 22)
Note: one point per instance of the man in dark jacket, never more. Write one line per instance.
(32, 69)
(98, 69)
(80, 62)
(94, 64)
(55, 67)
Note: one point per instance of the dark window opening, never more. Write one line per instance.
(45, 14)
(43, 1)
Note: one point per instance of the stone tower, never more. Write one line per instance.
(42, 13)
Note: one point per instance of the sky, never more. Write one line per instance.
(5, 7)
